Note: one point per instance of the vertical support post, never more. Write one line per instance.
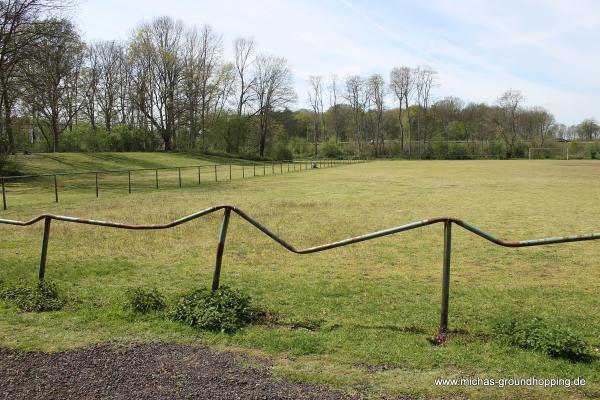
(281, 168)
(216, 179)
(42, 271)
(264, 169)
(272, 168)
(254, 166)
(156, 178)
(97, 185)
(288, 165)
(220, 249)
(179, 171)
(55, 189)
(198, 175)
(129, 181)
(446, 276)
(3, 195)
(229, 171)
(243, 171)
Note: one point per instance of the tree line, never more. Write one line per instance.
(170, 87)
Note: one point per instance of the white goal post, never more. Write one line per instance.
(536, 150)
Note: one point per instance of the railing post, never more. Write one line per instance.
(229, 171)
(254, 166)
(97, 185)
(198, 175)
(55, 189)
(156, 178)
(3, 195)
(220, 249)
(129, 181)
(179, 171)
(264, 169)
(216, 179)
(243, 171)
(446, 276)
(42, 271)
(281, 168)
(272, 168)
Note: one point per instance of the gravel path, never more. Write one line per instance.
(142, 371)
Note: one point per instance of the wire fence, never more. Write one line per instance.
(228, 209)
(52, 185)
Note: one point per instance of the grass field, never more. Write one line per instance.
(377, 301)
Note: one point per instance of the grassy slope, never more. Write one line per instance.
(379, 300)
(77, 162)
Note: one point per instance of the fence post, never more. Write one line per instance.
(55, 189)
(229, 171)
(96, 185)
(272, 168)
(446, 276)
(243, 171)
(129, 181)
(254, 166)
(281, 168)
(3, 195)
(220, 249)
(179, 172)
(198, 175)
(42, 271)
(216, 179)
(156, 178)
(264, 169)
(288, 165)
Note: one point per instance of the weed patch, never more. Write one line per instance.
(535, 334)
(223, 310)
(143, 300)
(43, 296)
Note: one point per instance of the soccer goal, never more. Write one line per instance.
(536, 153)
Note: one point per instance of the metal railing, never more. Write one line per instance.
(211, 172)
(227, 209)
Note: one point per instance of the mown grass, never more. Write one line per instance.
(377, 301)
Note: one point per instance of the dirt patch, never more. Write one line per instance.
(143, 371)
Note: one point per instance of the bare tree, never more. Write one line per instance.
(377, 93)
(315, 98)
(506, 118)
(109, 60)
(425, 80)
(156, 51)
(402, 85)
(273, 89)
(357, 95)
(333, 102)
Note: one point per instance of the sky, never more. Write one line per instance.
(547, 49)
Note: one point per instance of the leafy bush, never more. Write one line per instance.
(536, 335)
(330, 149)
(43, 296)
(282, 152)
(223, 310)
(143, 301)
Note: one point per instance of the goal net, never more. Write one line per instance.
(537, 153)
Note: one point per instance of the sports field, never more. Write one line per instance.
(356, 318)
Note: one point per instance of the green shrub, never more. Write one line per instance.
(535, 334)
(330, 149)
(143, 300)
(43, 296)
(223, 310)
(281, 151)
